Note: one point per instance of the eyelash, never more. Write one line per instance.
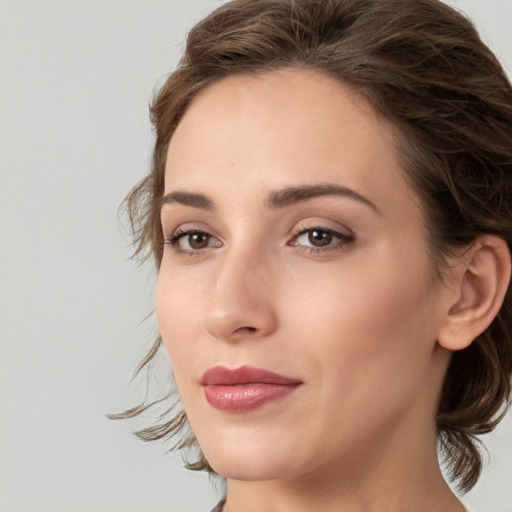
(180, 233)
(344, 241)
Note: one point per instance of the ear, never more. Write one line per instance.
(479, 283)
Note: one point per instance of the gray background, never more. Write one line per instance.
(76, 77)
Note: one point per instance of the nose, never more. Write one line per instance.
(241, 303)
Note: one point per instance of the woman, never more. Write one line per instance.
(329, 211)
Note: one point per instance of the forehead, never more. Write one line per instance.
(281, 128)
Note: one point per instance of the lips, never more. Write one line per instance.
(245, 388)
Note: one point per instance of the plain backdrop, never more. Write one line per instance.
(76, 77)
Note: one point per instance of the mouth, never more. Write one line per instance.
(245, 388)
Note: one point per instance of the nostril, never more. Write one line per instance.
(234, 322)
(247, 329)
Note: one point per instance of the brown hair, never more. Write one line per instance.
(423, 66)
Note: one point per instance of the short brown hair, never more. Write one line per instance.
(423, 66)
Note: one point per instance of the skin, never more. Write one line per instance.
(356, 321)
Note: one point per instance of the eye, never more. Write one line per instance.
(192, 240)
(319, 238)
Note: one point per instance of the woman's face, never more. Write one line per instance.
(295, 296)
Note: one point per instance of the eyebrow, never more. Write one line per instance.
(191, 199)
(293, 195)
(276, 199)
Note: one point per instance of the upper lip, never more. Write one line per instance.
(220, 375)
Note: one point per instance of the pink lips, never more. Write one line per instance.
(244, 388)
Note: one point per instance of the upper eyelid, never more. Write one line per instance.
(322, 228)
(298, 227)
(169, 227)
(170, 224)
(309, 224)
(179, 232)
(342, 236)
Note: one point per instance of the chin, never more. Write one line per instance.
(254, 462)
(242, 469)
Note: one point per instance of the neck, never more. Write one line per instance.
(396, 478)
(297, 497)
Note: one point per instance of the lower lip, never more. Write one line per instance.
(245, 397)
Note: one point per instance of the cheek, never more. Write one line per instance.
(364, 317)
(361, 335)
(178, 310)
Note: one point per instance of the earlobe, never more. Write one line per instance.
(481, 280)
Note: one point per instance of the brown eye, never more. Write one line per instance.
(191, 241)
(319, 237)
(196, 240)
